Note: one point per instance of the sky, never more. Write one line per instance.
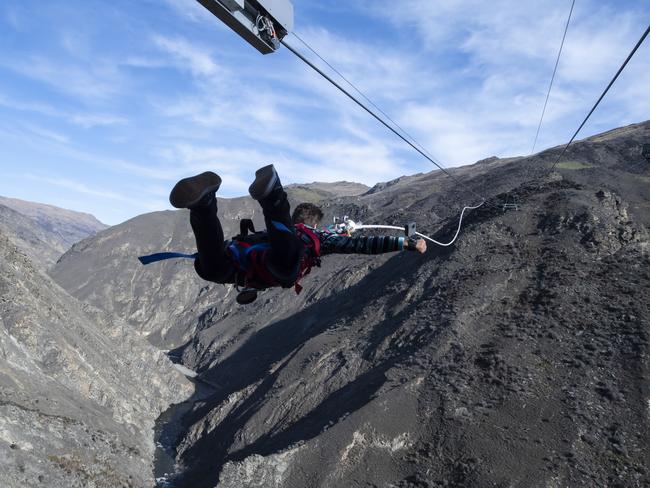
(105, 105)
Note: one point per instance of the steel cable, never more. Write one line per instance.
(379, 119)
(557, 62)
(620, 70)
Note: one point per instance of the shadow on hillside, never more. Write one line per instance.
(279, 342)
(282, 341)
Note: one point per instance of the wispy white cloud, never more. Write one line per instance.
(95, 120)
(37, 107)
(504, 54)
(594, 49)
(145, 62)
(31, 133)
(86, 120)
(85, 189)
(378, 68)
(101, 80)
(188, 55)
(46, 134)
(268, 113)
(13, 16)
(77, 43)
(190, 10)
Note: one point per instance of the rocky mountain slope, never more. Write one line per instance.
(44, 231)
(79, 390)
(516, 357)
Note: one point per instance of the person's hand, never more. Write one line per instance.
(419, 245)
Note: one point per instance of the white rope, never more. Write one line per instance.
(360, 226)
(460, 223)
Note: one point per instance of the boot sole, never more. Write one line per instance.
(189, 191)
(265, 179)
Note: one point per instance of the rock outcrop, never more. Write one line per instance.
(79, 390)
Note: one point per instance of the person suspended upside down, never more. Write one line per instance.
(280, 256)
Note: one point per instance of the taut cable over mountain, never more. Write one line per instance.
(513, 204)
(620, 70)
(291, 246)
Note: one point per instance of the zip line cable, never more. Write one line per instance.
(360, 92)
(548, 93)
(620, 70)
(393, 130)
(557, 62)
(383, 122)
(421, 150)
(404, 131)
(373, 114)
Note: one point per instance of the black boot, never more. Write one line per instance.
(212, 263)
(266, 180)
(267, 190)
(286, 249)
(195, 191)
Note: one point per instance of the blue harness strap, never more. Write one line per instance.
(281, 227)
(161, 256)
(242, 256)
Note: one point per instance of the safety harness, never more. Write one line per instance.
(249, 255)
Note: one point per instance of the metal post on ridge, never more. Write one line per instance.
(645, 152)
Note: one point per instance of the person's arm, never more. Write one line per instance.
(338, 244)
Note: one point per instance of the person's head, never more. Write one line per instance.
(308, 214)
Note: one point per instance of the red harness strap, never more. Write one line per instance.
(311, 256)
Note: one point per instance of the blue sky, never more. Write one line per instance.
(104, 105)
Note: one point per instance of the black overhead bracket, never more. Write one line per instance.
(409, 229)
(261, 23)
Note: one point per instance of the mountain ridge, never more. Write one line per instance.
(44, 231)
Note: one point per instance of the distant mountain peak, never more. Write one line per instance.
(332, 189)
(36, 209)
(45, 231)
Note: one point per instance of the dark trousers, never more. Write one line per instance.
(282, 259)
